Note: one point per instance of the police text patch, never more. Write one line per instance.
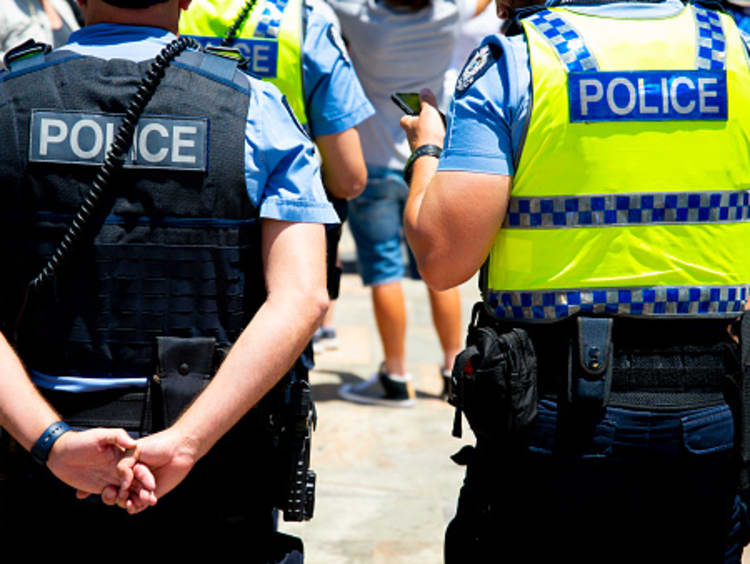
(165, 142)
(648, 96)
(263, 54)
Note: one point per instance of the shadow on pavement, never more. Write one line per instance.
(328, 391)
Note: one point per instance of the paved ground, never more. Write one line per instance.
(386, 486)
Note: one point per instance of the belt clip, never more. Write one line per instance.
(590, 361)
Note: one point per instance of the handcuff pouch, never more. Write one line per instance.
(590, 363)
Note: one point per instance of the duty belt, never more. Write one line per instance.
(661, 363)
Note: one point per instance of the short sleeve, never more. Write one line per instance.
(334, 96)
(282, 170)
(489, 110)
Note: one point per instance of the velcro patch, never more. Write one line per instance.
(163, 142)
(648, 96)
(262, 54)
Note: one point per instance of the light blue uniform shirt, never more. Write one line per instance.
(281, 169)
(486, 123)
(334, 97)
(742, 17)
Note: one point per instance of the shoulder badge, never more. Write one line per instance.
(480, 60)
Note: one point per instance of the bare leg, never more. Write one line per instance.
(446, 316)
(390, 316)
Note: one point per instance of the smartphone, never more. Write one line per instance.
(410, 104)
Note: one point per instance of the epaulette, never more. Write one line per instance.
(232, 53)
(26, 55)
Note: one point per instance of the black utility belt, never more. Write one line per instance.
(588, 363)
(669, 377)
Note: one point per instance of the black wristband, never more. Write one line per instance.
(43, 445)
(421, 151)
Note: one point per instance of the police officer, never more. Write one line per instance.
(207, 237)
(596, 163)
(296, 45)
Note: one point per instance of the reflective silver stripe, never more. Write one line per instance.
(711, 53)
(628, 209)
(656, 301)
(565, 40)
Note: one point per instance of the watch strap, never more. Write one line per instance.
(43, 445)
(421, 151)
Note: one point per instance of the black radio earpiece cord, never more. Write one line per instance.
(231, 35)
(113, 160)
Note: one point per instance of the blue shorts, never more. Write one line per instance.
(376, 222)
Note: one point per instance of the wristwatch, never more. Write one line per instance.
(421, 151)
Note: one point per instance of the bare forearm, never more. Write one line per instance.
(294, 265)
(23, 411)
(261, 356)
(344, 169)
(415, 228)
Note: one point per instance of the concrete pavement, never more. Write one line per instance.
(386, 486)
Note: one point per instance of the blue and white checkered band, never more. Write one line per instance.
(658, 208)
(712, 46)
(270, 20)
(660, 301)
(566, 41)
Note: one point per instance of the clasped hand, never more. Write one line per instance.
(128, 473)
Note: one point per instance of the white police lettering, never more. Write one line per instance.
(263, 54)
(178, 142)
(75, 139)
(674, 100)
(160, 154)
(45, 137)
(261, 58)
(586, 97)
(644, 109)
(629, 88)
(705, 90)
(647, 95)
(83, 138)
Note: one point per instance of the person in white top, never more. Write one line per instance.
(46, 21)
(396, 46)
(469, 34)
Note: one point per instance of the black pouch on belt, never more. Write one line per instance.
(494, 382)
(185, 367)
(590, 363)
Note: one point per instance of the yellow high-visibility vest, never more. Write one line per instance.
(271, 37)
(632, 192)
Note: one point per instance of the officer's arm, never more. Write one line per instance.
(293, 260)
(344, 170)
(451, 217)
(451, 220)
(88, 461)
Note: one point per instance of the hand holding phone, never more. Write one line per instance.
(410, 103)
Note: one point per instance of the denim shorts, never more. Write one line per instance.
(376, 222)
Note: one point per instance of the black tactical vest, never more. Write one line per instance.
(176, 248)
